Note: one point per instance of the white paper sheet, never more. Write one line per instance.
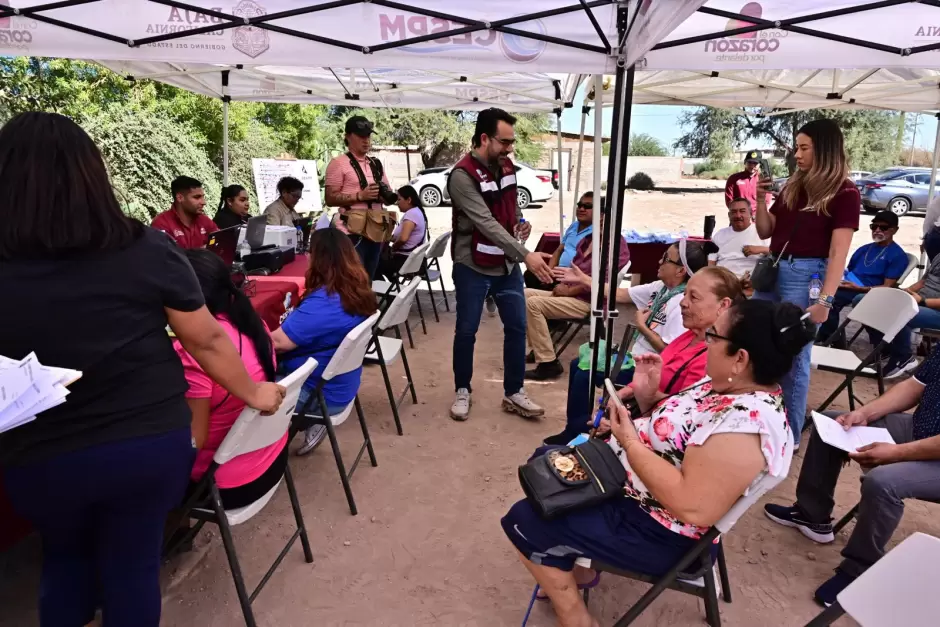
(834, 434)
(27, 388)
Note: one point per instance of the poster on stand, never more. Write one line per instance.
(268, 172)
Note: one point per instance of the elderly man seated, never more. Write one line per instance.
(908, 469)
(566, 301)
(880, 263)
(739, 245)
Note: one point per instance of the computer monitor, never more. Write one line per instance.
(224, 243)
(255, 233)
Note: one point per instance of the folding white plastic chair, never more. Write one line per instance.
(348, 356)
(571, 327)
(912, 261)
(897, 590)
(251, 432)
(385, 350)
(695, 573)
(885, 309)
(432, 270)
(387, 289)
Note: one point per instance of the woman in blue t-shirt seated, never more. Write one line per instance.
(338, 297)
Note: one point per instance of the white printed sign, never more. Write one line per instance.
(269, 171)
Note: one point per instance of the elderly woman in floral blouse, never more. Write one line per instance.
(687, 462)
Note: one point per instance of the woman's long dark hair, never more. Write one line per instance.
(55, 196)
(336, 267)
(409, 193)
(224, 299)
(229, 193)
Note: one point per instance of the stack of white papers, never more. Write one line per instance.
(28, 388)
(849, 440)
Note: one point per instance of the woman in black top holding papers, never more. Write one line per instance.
(87, 288)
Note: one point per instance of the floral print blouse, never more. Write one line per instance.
(688, 419)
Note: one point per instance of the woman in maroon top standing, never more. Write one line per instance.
(810, 226)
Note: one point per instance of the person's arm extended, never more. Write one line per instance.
(764, 220)
(929, 303)
(713, 476)
(899, 398)
(407, 227)
(464, 194)
(651, 336)
(927, 449)
(200, 425)
(205, 339)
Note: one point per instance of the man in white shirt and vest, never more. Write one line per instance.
(486, 249)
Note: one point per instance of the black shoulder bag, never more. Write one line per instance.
(764, 275)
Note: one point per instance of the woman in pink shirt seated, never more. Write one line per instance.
(246, 478)
(710, 292)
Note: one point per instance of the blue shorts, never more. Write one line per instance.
(618, 533)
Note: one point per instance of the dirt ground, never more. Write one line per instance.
(426, 547)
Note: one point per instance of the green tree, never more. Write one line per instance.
(645, 145)
(712, 133)
(259, 142)
(144, 153)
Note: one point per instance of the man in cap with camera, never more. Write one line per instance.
(357, 185)
(744, 184)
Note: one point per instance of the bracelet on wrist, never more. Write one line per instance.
(825, 303)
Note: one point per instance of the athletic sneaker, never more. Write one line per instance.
(895, 368)
(490, 306)
(520, 403)
(793, 517)
(460, 410)
(312, 438)
(827, 593)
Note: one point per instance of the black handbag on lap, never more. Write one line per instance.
(572, 478)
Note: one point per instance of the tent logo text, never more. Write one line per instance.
(749, 47)
(515, 48)
(16, 31)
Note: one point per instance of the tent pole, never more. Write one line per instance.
(597, 295)
(225, 100)
(561, 182)
(577, 172)
(921, 267)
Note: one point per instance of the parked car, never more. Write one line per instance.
(532, 185)
(854, 175)
(900, 190)
(859, 174)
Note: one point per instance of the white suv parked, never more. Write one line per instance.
(531, 185)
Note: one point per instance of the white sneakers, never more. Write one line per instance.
(490, 306)
(312, 438)
(518, 403)
(460, 410)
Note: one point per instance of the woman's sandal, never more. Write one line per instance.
(581, 586)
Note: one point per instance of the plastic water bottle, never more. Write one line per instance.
(299, 247)
(815, 288)
(519, 229)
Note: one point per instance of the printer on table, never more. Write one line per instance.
(272, 247)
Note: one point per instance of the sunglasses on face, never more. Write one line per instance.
(585, 205)
(712, 336)
(880, 227)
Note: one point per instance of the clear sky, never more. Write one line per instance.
(662, 122)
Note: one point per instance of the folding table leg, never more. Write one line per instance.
(229, 544)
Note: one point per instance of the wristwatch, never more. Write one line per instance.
(825, 300)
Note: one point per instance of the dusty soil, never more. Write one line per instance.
(426, 547)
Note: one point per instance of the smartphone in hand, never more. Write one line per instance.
(612, 394)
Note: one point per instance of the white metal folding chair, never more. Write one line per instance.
(432, 270)
(885, 309)
(571, 327)
(387, 289)
(695, 572)
(251, 432)
(348, 356)
(897, 590)
(385, 350)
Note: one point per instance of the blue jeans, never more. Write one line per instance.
(579, 411)
(471, 289)
(369, 252)
(100, 512)
(793, 287)
(901, 348)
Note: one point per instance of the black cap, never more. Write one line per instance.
(752, 156)
(359, 125)
(886, 217)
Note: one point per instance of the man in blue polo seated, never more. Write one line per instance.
(879, 264)
(568, 247)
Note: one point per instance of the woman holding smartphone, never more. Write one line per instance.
(810, 228)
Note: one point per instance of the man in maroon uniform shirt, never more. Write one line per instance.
(744, 184)
(185, 220)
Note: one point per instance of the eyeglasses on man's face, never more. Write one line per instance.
(585, 205)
